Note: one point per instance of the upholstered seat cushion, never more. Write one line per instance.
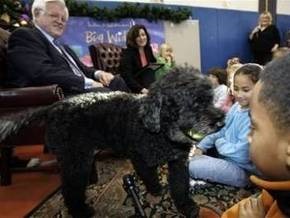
(106, 56)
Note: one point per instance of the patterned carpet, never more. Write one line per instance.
(110, 200)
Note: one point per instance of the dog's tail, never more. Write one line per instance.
(11, 125)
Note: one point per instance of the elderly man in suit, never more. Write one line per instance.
(36, 58)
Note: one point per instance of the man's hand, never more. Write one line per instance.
(252, 208)
(97, 84)
(105, 78)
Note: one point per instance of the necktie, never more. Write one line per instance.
(76, 70)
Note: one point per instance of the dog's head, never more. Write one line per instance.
(182, 99)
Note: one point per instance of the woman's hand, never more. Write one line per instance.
(255, 30)
(252, 208)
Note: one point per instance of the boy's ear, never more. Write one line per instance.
(288, 152)
(288, 156)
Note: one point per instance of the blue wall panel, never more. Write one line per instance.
(223, 34)
(283, 23)
(208, 26)
(233, 31)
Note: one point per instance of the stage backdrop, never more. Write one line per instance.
(83, 31)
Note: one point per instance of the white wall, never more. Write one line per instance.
(283, 7)
(241, 5)
(184, 39)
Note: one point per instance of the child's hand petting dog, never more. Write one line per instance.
(195, 151)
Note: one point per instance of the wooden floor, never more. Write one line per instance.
(28, 189)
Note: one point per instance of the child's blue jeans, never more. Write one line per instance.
(217, 170)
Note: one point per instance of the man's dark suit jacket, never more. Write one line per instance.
(130, 65)
(34, 61)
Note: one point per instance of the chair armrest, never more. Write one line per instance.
(30, 96)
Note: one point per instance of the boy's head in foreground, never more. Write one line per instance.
(270, 115)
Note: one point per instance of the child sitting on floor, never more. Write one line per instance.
(270, 145)
(233, 65)
(218, 79)
(165, 57)
(232, 165)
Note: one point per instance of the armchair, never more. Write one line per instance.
(106, 56)
(13, 100)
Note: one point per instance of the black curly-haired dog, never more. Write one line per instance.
(149, 129)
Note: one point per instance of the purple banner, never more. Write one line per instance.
(84, 31)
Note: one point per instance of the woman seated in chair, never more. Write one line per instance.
(135, 58)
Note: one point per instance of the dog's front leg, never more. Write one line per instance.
(179, 187)
(94, 174)
(75, 173)
(149, 175)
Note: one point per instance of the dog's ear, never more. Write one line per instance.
(150, 112)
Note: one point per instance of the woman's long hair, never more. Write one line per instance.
(133, 33)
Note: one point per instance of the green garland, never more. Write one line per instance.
(14, 13)
(127, 10)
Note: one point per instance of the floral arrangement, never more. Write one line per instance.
(14, 13)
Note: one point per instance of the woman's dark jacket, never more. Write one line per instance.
(263, 42)
(130, 65)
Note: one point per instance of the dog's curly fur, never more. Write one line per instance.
(149, 129)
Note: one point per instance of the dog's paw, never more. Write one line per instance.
(194, 212)
(93, 179)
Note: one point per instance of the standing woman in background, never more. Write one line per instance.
(135, 57)
(264, 39)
